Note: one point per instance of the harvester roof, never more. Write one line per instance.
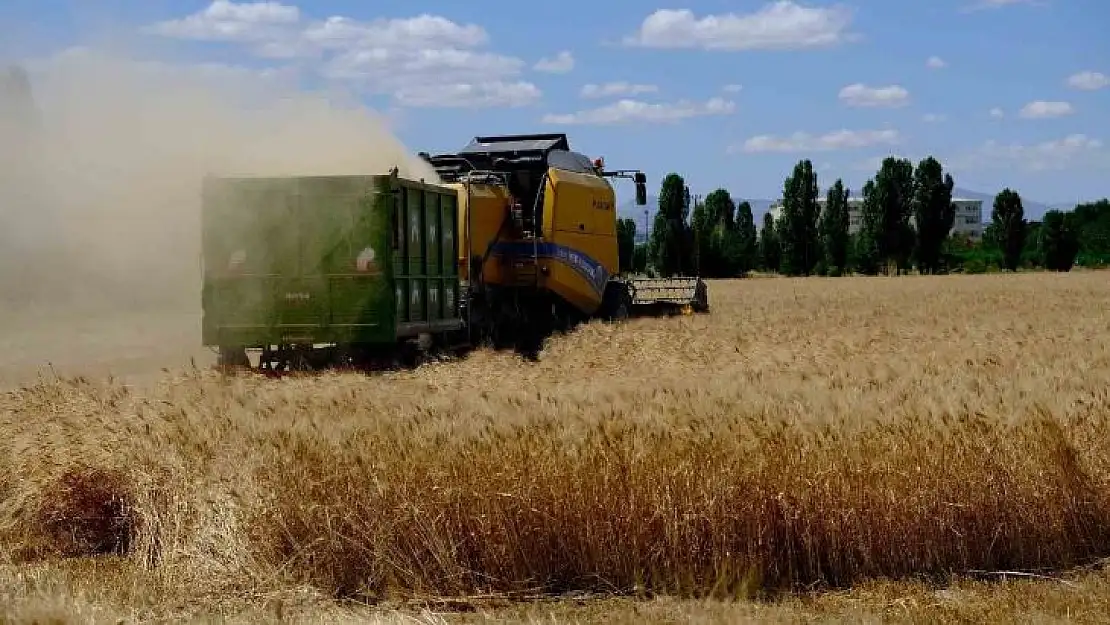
(533, 153)
(517, 144)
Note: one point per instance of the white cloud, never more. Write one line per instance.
(388, 69)
(933, 118)
(468, 95)
(628, 110)
(779, 25)
(996, 112)
(612, 89)
(935, 62)
(561, 64)
(1066, 153)
(425, 60)
(732, 88)
(861, 95)
(1089, 81)
(422, 31)
(805, 142)
(230, 21)
(1041, 109)
(998, 4)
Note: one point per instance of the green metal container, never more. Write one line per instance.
(327, 259)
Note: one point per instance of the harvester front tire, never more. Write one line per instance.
(616, 303)
(701, 297)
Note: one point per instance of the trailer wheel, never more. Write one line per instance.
(624, 305)
(233, 357)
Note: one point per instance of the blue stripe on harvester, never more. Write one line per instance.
(593, 271)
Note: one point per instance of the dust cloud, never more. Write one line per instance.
(100, 195)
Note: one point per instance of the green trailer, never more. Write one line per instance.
(295, 266)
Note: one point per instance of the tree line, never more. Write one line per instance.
(906, 222)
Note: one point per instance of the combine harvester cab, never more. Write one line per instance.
(304, 267)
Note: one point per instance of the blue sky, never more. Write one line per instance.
(729, 94)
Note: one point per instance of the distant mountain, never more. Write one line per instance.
(1033, 210)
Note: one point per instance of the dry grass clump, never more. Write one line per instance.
(807, 433)
(88, 512)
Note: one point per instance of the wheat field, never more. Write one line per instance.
(813, 449)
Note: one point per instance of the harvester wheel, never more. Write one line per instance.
(624, 306)
(701, 297)
(616, 303)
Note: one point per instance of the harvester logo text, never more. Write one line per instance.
(584, 265)
(593, 271)
(237, 260)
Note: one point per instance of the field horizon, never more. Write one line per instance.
(812, 449)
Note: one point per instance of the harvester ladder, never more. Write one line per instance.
(534, 231)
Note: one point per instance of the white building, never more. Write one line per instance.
(969, 215)
(969, 218)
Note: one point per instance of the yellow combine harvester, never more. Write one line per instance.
(518, 240)
(538, 247)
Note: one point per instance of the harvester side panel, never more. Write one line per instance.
(313, 259)
(296, 260)
(482, 208)
(410, 276)
(346, 244)
(580, 247)
(449, 252)
(425, 252)
(246, 247)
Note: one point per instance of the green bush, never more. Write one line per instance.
(975, 265)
